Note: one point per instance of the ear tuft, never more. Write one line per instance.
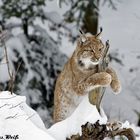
(98, 36)
(82, 36)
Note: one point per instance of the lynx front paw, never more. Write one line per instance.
(105, 79)
(116, 86)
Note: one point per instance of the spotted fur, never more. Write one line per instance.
(80, 76)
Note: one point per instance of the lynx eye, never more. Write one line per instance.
(100, 49)
(87, 50)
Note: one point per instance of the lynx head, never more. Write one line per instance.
(89, 51)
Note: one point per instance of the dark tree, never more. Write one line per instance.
(85, 13)
(26, 10)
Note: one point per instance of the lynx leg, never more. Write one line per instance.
(115, 84)
(62, 107)
(102, 79)
(59, 115)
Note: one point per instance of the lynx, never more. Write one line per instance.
(79, 76)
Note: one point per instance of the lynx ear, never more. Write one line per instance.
(83, 37)
(107, 43)
(98, 36)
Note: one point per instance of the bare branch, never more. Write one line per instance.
(7, 61)
(111, 4)
(14, 106)
(96, 95)
(2, 39)
(12, 117)
(18, 68)
(11, 74)
(99, 132)
(14, 77)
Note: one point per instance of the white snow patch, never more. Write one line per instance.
(17, 118)
(84, 113)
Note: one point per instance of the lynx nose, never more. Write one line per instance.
(96, 59)
(97, 56)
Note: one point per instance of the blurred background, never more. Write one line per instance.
(41, 35)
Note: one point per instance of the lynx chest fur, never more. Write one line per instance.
(80, 75)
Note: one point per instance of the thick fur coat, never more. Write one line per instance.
(80, 76)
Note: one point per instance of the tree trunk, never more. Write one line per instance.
(25, 26)
(90, 21)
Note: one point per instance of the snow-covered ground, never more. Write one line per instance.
(17, 119)
(72, 125)
(121, 27)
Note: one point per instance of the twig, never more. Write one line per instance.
(7, 61)
(11, 117)
(4, 105)
(18, 68)
(2, 38)
(110, 4)
(14, 77)
(16, 105)
(11, 74)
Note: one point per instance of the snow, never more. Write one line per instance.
(54, 17)
(121, 27)
(17, 118)
(15, 111)
(38, 74)
(136, 130)
(85, 112)
(3, 69)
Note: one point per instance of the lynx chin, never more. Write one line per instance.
(79, 76)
